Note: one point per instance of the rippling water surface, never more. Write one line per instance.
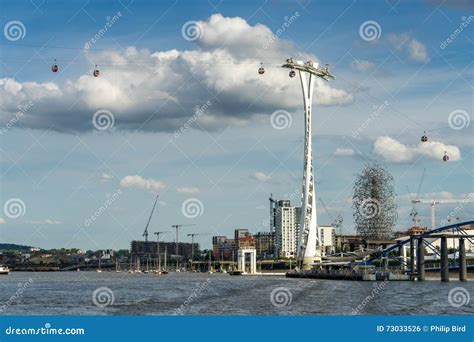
(71, 293)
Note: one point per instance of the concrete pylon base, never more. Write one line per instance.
(309, 261)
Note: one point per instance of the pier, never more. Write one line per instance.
(412, 268)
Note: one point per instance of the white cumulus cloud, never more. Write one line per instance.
(163, 88)
(260, 176)
(362, 65)
(414, 48)
(188, 190)
(394, 151)
(344, 152)
(139, 182)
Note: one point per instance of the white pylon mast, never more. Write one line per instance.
(308, 243)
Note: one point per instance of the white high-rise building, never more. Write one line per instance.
(327, 238)
(287, 227)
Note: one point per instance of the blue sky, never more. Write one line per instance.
(156, 81)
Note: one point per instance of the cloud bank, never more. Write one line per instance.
(160, 90)
(394, 151)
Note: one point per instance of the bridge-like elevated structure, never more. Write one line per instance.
(417, 244)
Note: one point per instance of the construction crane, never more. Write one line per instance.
(414, 213)
(145, 233)
(192, 235)
(434, 203)
(177, 226)
(337, 222)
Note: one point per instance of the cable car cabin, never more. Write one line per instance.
(261, 70)
(96, 72)
(445, 157)
(292, 73)
(55, 67)
(424, 138)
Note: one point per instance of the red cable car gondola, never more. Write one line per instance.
(261, 70)
(424, 138)
(96, 72)
(446, 157)
(55, 67)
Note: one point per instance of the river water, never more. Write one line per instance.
(110, 293)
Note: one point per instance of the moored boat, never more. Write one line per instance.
(4, 270)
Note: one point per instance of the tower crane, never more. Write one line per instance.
(434, 203)
(145, 233)
(192, 235)
(414, 213)
(337, 222)
(177, 226)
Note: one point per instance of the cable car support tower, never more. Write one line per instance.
(309, 250)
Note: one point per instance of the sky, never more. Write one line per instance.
(180, 110)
